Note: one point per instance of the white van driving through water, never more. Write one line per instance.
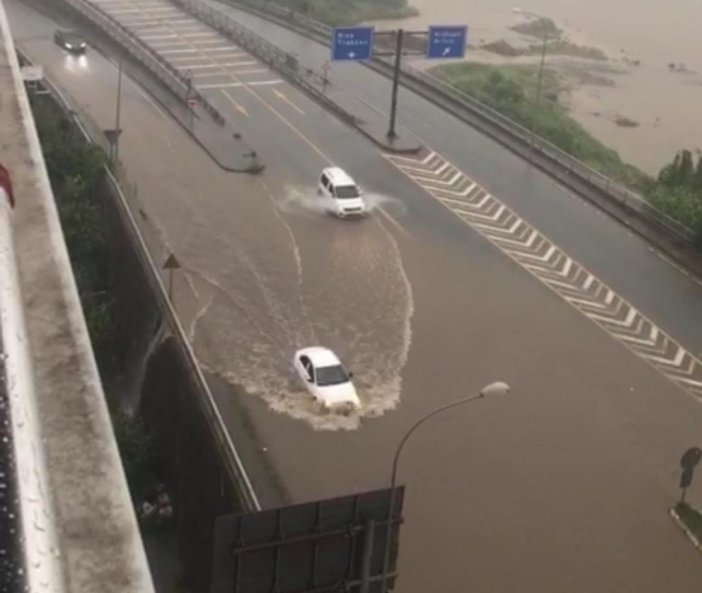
(342, 196)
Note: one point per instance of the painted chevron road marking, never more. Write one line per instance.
(540, 257)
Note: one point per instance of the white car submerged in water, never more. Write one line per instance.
(343, 197)
(326, 379)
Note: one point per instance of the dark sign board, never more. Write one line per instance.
(328, 546)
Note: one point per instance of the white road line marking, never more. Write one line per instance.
(201, 57)
(220, 65)
(457, 175)
(197, 35)
(177, 51)
(550, 265)
(143, 23)
(234, 48)
(158, 36)
(229, 85)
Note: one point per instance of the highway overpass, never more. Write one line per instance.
(474, 267)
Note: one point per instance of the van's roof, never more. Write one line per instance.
(319, 356)
(338, 176)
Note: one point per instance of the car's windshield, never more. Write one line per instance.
(73, 38)
(333, 375)
(346, 191)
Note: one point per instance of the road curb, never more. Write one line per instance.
(385, 145)
(139, 74)
(286, 65)
(681, 524)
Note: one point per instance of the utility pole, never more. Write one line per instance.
(395, 84)
(539, 86)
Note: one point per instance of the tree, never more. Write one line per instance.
(697, 181)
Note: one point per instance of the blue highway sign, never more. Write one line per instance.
(447, 42)
(352, 43)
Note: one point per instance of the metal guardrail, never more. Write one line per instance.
(281, 61)
(234, 465)
(487, 119)
(164, 71)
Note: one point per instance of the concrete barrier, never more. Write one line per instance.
(79, 530)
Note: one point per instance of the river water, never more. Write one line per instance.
(665, 104)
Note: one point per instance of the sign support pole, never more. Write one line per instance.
(395, 84)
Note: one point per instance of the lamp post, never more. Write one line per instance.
(540, 75)
(114, 149)
(496, 388)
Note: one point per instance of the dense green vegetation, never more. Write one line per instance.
(691, 518)
(348, 12)
(511, 90)
(78, 181)
(678, 191)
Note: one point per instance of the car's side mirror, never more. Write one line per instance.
(350, 375)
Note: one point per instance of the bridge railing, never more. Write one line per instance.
(76, 525)
(161, 68)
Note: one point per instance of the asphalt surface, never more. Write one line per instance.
(562, 486)
(622, 260)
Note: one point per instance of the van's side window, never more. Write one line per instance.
(307, 364)
(325, 182)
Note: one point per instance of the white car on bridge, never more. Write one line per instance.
(326, 379)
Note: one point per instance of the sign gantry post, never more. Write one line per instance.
(355, 44)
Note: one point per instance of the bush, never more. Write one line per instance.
(77, 178)
(678, 192)
(511, 90)
(691, 518)
(136, 448)
(78, 181)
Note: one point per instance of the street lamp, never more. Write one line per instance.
(114, 148)
(496, 388)
(540, 78)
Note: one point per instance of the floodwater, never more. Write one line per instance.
(264, 310)
(665, 104)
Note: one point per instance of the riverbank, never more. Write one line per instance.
(350, 12)
(634, 83)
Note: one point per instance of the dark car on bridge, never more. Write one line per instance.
(70, 41)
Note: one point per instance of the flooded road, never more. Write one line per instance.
(561, 486)
(297, 277)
